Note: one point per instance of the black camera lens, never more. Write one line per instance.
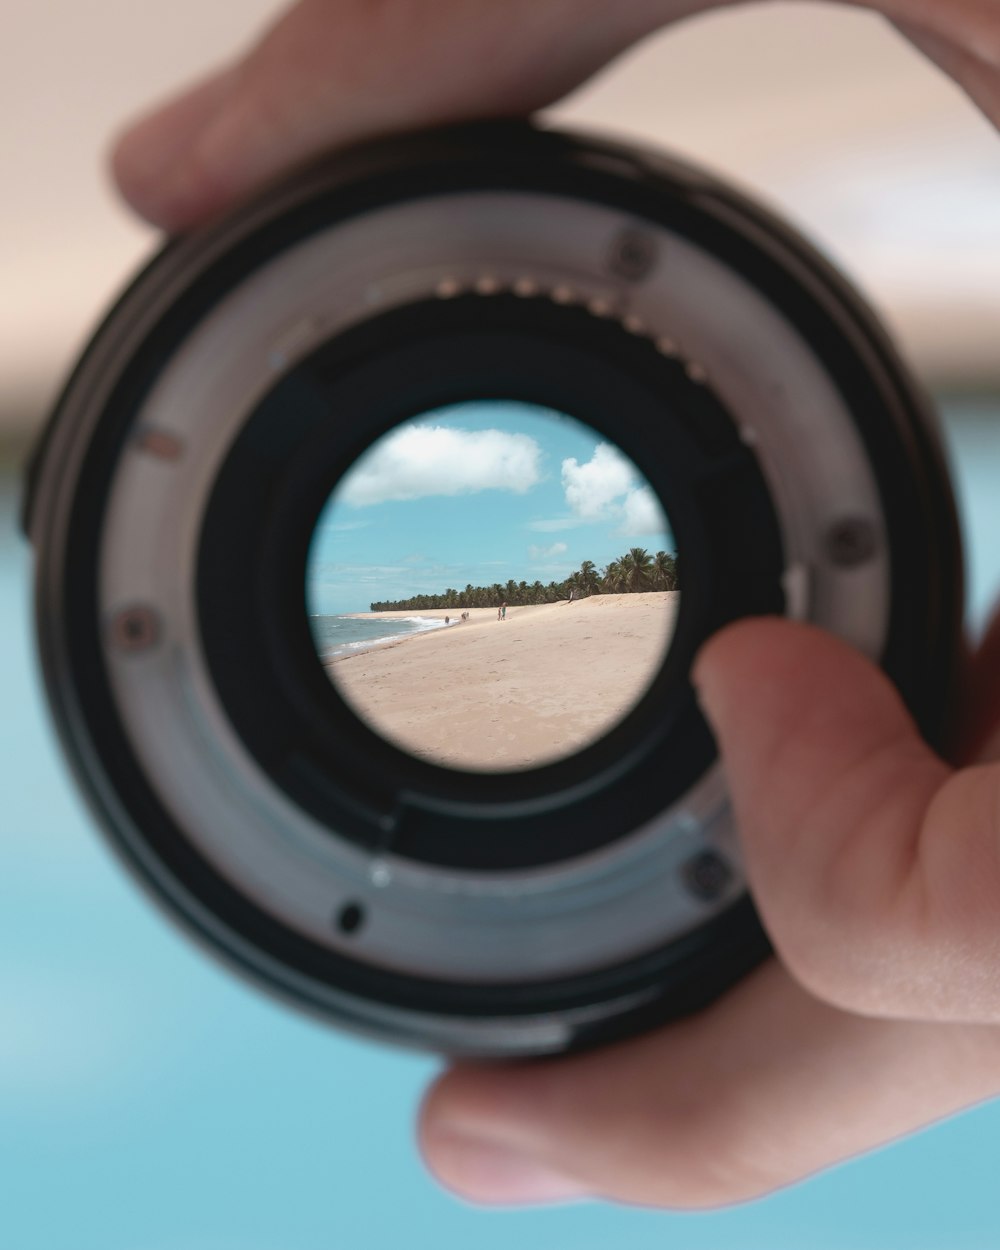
(376, 534)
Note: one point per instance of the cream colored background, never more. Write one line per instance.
(823, 111)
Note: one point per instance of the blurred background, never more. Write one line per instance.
(148, 1101)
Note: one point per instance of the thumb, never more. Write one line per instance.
(874, 867)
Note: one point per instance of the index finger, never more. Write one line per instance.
(329, 74)
(333, 72)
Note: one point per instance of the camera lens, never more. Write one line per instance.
(433, 377)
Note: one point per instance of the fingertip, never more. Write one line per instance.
(794, 709)
(749, 658)
(154, 160)
(749, 641)
(474, 1100)
(487, 1174)
(762, 667)
(477, 1146)
(433, 1111)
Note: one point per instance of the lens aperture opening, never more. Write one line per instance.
(492, 586)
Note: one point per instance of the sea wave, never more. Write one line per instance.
(332, 648)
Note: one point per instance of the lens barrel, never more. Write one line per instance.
(173, 496)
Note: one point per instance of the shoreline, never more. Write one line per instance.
(477, 616)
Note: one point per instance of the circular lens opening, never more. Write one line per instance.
(492, 586)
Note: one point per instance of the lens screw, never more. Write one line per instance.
(632, 255)
(706, 876)
(350, 918)
(135, 629)
(851, 542)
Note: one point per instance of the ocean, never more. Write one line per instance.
(344, 635)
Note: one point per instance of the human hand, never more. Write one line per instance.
(876, 867)
(873, 862)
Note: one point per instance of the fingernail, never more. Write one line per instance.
(487, 1173)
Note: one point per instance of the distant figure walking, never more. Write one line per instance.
(503, 610)
(465, 616)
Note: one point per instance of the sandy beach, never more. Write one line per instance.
(499, 695)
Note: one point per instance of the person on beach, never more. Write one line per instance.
(873, 862)
(503, 610)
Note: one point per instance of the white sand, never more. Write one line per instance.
(492, 695)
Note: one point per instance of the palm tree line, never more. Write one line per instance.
(637, 570)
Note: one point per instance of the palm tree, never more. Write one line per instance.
(637, 565)
(614, 577)
(664, 571)
(590, 582)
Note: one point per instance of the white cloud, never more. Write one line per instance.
(422, 460)
(609, 487)
(546, 553)
(592, 488)
(642, 514)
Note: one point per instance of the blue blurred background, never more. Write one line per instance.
(149, 1100)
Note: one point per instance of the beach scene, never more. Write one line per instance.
(492, 586)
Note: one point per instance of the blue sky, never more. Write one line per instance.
(478, 493)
